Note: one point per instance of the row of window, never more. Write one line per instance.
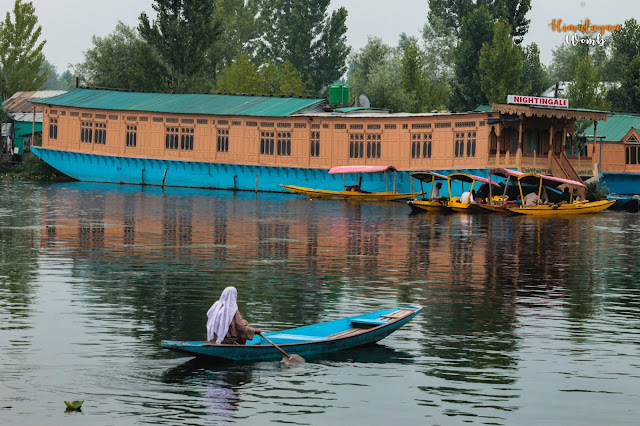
(183, 138)
(632, 154)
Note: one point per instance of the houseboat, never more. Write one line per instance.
(257, 143)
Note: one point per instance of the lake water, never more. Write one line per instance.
(525, 321)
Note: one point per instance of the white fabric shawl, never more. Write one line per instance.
(221, 314)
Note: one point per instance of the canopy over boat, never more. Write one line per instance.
(428, 176)
(362, 169)
(501, 171)
(466, 177)
(549, 181)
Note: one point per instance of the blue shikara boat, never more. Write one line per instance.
(311, 341)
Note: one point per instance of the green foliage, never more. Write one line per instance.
(302, 33)
(476, 29)
(63, 81)
(122, 60)
(631, 85)
(439, 45)
(585, 92)
(413, 78)
(21, 57)
(182, 32)
(501, 65)
(534, 75)
(626, 42)
(269, 79)
(33, 168)
(239, 30)
(451, 14)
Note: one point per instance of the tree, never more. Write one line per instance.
(302, 33)
(439, 46)
(477, 28)
(501, 65)
(122, 60)
(451, 13)
(534, 75)
(413, 78)
(631, 85)
(269, 79)
(585, 92)
(625, 45)
(239, 31)
(183, 32)
(21, 57)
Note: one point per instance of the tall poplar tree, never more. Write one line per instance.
(21, 57)
(303, 33)
(183, 32)
(501, 65)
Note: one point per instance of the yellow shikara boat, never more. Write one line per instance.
(465, 202)
(429, 204)
(569, 207)
(501, 202)
(355, 192)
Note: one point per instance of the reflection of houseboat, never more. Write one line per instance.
(258, 143)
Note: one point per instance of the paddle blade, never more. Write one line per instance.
(293, 360)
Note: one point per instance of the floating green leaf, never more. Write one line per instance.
(74, 405)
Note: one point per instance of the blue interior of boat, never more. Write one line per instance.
(321, 331)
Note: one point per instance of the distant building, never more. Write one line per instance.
(26, 120)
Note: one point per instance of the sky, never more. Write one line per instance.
(68, 25)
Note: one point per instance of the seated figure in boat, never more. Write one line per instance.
(357, 187)
(436, 195)
(531, 199)
(225, 324)
(468, 197)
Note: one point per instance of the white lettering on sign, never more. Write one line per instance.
(535, 100)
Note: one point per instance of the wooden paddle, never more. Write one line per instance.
(288, 359)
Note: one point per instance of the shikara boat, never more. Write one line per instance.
(426, 203)
(355, 191)
(455, 203)
(500, 202)
(311, 341)
(570, 207)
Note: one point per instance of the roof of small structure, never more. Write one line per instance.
(615, 128)
(263, 106)
(21, 102)
(542, 111)
(362, 169)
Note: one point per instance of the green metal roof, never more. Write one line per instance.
(616, 126)
(263, 106)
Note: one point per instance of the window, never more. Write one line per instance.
(471, 144)
(356, 145)
(631, 154)
(315, 144)
(373, 145)
(421, 145)
(100, 133)
(459, 145)
(266, 143)
(132, 136)
(86, 131)
(186, 138)
(53, 128)
(223, 140)
(171, 138)
(284, 143)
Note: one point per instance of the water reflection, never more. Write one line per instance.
(132, 266)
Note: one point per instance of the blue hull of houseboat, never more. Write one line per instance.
(312, 341)
(146, 171)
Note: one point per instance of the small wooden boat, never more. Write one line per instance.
(500, 202)
(458, 203)
(355, 191)
(427, 203)
(311, 341)
(543, 208)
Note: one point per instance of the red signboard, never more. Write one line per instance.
(539, 101)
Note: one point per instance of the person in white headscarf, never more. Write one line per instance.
(225, 324)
